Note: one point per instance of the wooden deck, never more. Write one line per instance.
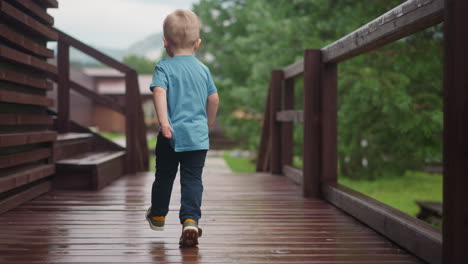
(255, 218)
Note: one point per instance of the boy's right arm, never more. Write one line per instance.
(160, 103)
(212, 108)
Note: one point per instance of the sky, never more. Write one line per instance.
(114, 23)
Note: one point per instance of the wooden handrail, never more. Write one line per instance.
(136, 143)
(320, 113)
(404, 20)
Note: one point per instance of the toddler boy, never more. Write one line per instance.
(186, 102)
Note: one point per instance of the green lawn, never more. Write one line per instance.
(239, 164)
(399, 192)
(111, 135)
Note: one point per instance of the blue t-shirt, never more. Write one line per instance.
(188, 84)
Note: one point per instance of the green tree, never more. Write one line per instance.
(390, 106)
(141, 64)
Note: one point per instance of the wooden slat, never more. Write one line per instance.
(329, 123)
(48, 3)
(37, 11)
(11, 160)
(294, 174)
(409, 232)
(15, 139)
(312, 123)
(12, 55)
(17, 39)
(262, 156)
(25, 79)
(276, 84)
(27, 22)
(24, 175)
(294, 70)
(290, 116)
(25, 119)
(287, 129)
(17, 199)
(455, 139)
(410, 17)
(22, 98)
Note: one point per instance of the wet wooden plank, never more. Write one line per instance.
(24, 43)
(26, 60)
(25, 119)
(247, 218)
(20, 78)
(17, 177)
(37, 11)
(23, 98)
(14, 139)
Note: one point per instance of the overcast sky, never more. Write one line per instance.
(114, 23)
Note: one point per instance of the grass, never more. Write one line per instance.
(239, 164)
(398, 192)
(111, 135)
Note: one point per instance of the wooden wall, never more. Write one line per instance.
(25, 135)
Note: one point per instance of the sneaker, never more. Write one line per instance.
(190, 234)
(155, 222)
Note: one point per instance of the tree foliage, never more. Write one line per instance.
(390, 109)
(141, 64)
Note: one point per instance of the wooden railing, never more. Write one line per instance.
(318, 176)
(135, 128)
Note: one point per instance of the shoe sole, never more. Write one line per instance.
(153, 227)
(189, 237)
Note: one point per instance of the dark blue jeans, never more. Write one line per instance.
(191, 168)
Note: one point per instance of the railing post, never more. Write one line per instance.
(263, 151)
(287, 128)
(135, 128)
(312, 119)
(276, 82)
(63, 87)
(455, 182)
(329, 124)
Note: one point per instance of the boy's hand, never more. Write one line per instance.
(166, 130)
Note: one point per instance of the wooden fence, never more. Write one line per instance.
(135, 128)
(318, 176)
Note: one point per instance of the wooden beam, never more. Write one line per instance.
(293, 70)
(48, 3)
(32, 25)
(262, 156)
(312, 118)
(287, 129)
(25, 79)
(15, 139)
(22, 98)
(18, 177)
(11, 160)
(24, 43)
(294, 174)
(276, 83)
(455, 213)
(418, 237)
(105, 59)
(25, 119)
(24, 196)
(38, 11)
(97, 98)
(329, 123)
(24, 59)
(290, 116)
(410, 17)
(63, 86)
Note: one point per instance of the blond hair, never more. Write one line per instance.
(182, 28)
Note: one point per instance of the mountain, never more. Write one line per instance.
(150, 47)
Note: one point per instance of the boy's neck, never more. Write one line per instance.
(181, 52)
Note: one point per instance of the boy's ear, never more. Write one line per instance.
(165, 42)
(197, 44)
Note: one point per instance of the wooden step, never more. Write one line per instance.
(91, 170)
(71, 144)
